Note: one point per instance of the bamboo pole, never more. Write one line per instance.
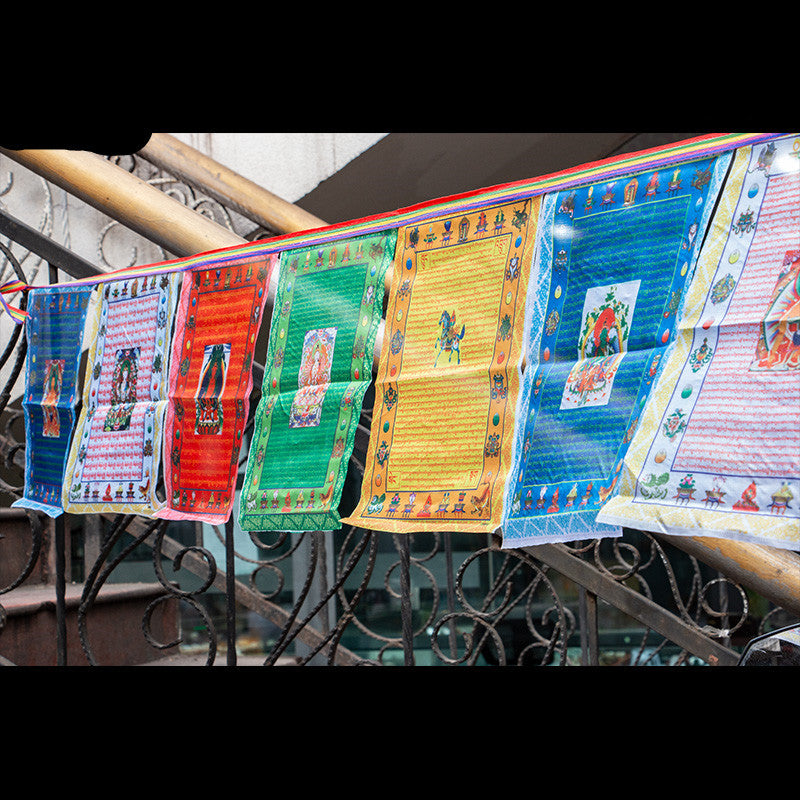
(131, 201)
(226, 186)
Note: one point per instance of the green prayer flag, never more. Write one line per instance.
(327, 311)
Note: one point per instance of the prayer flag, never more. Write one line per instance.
(210, 379)
(114, 459)
(449, 371)
(613, 259)
(328, 309)
(55, 323)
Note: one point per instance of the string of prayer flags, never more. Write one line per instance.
(614, 258)
(328, 309)
(210, 380)
(449, 371)
(54, 331)
(113, 463)
(718, 450)
(460, 439)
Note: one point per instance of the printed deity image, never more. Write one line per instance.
(123, 389)
(53, 381)
(718, 451)
(605, 294)
(54, 333)
(779, 335)
(216, 326)
(209, 415)
(114, 459)
(603, 340)
(449, 371)
(328, 308)
(313, 379)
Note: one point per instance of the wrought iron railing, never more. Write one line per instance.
(359, 597)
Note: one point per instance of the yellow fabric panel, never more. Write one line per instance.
(443, 418)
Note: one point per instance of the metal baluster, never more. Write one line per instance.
(587, 610)
(230, 592)
(451, 593)
(61, 588)
(60, 559)
(403, 546)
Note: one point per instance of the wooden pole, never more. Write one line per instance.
(226, 186)
(128, 199)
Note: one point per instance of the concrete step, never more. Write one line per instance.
(113, 624)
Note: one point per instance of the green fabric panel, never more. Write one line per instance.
(328, 303)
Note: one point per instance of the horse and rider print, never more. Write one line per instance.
(449, 338)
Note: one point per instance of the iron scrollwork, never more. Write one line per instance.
(13, 450)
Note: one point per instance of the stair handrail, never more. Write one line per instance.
(128, 199)
(146, 210)
(226, 186)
